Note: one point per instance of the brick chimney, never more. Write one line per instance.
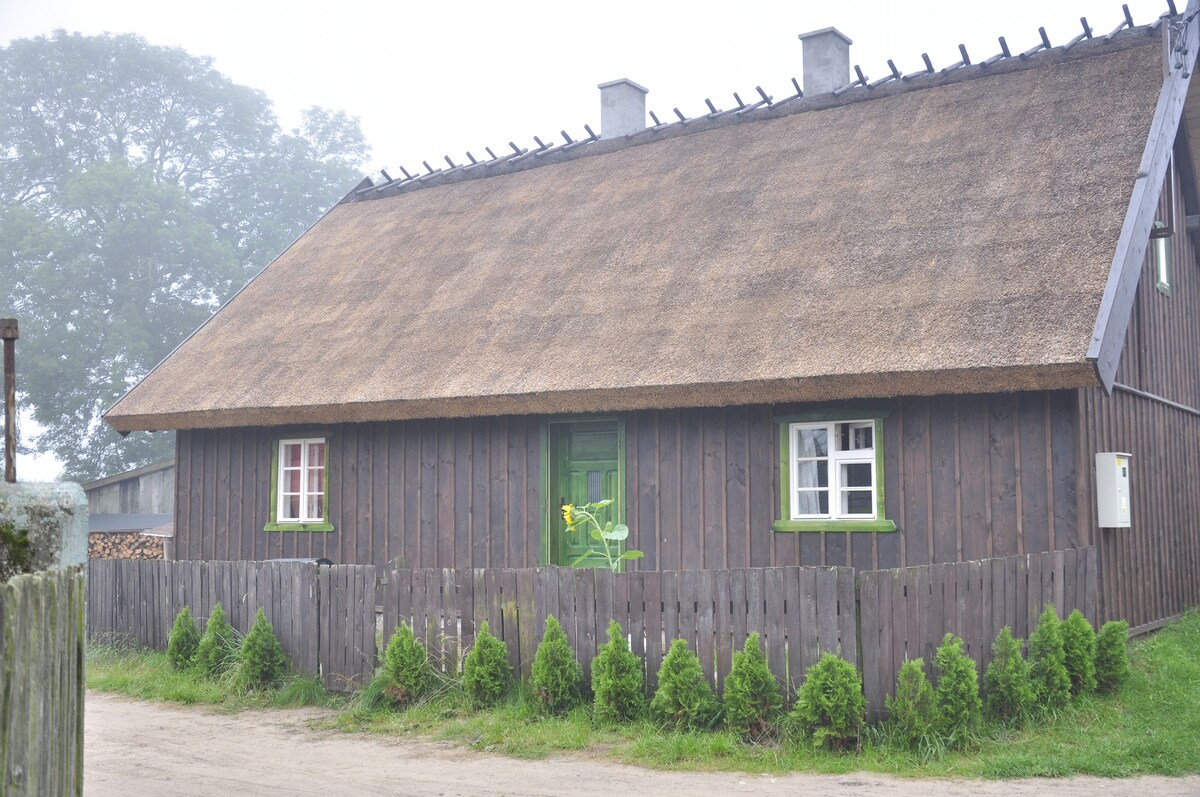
(826, 56)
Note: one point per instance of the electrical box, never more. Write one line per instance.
(1112, 489)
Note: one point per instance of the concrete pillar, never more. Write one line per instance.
(826, 60)
(54, 515)
(622, 108)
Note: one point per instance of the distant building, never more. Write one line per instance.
(131, 515)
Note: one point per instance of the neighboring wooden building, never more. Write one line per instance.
(131, 515)
(879, 326)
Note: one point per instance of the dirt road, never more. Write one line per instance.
(136, 748)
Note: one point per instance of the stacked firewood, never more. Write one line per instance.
(124, 545)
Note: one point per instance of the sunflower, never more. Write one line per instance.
(568, 510)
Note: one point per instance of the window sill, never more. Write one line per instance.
(321, 527)
(834, 525)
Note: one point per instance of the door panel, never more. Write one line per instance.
(585, 466)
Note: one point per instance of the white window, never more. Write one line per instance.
(301, 488)
(832, 470)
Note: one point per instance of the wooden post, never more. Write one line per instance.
(9, 334)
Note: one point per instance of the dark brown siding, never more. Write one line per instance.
(1151, 571)
(966, 477)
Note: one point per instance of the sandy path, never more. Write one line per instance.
(137, 748)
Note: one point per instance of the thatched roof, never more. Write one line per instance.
(941, 238)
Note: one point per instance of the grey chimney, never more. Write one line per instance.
(622, 108)
(826, 56)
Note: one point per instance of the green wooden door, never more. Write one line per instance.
(585, 466)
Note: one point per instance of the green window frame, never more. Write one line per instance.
(277, 444)
(787, 520)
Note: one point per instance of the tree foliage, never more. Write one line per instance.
(1048, 664)
(617, 681)
(183, 641)
(957, 709)
(556, 675)
(684, 699)
(910, 712)
(139, 189)
(1079, 652)
(752, 698)
(1010, 695)
(830, 707)
(486, 674)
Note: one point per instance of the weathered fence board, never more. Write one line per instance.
(794, 610)
(905, 613)
(41, 683)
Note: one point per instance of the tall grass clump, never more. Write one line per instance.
(406, 665)
(910, 723)
(1047, 664)
(556, 675)
(486, 675)
(752, 698)
(183, 641)
(1010, 696)
(1112, 655)
(1079, 652)
(617, 679)
(957, 709)
(830, 707)
(218, 648)
(684, 699)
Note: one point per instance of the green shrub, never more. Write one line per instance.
(752, 698)
(1079, 653)
(486, 674)
(617, 679)
(1112, 655)
(829, 709)
(957, 708)
(406, 665)
(1047, 664)
(263, 663)
(556, 674)
(183, 641)
(909, 721)
(684, 698)
(217, 650)
(1009, 690)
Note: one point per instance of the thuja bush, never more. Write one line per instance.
(183, 641)
(263, 663)
(1079, 652)
(406, 665)
(217, 650)
(556, 674)
(684, 699)
(752, 698)
(486, 674)
(1112, 655)
(617, 679)
(909, 722)
(1047, 664)
(1009, 691)
(829, 709)
(957, 708)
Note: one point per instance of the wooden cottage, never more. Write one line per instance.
(879, 325)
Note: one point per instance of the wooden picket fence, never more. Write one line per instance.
(906, 612)
(41, 683)
(798, 612)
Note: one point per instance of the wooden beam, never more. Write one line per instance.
(1108, 336)
(9, 333)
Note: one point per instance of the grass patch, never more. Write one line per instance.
(1150, 726)
(148, 675)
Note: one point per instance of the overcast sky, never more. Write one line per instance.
(429, 79)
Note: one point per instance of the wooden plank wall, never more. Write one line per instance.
(798, 612)
(967, 477)
(459, 493)
(133, 602)
(905, 612)
(1151, 571)
(41, 683)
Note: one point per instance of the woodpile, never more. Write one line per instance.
(124, 545)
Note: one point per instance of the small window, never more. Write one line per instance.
(831, 476)
(300, 492)
(1162, 256)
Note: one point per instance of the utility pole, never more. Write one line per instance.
(9, 334)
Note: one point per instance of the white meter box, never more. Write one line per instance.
(1112, 489)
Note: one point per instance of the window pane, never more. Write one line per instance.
(291, 481)
(863, 437)
(291, 507)
(812, 443)
(316, 480)
(316, 507)
(856, 474)
(858, 502)
(813, 473)
(316, 455)
(812, 502)
(291, 455)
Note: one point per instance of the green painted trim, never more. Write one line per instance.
(812, 416)
(550, 513)
(834, 525)
(272, 523)
(783, 523)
